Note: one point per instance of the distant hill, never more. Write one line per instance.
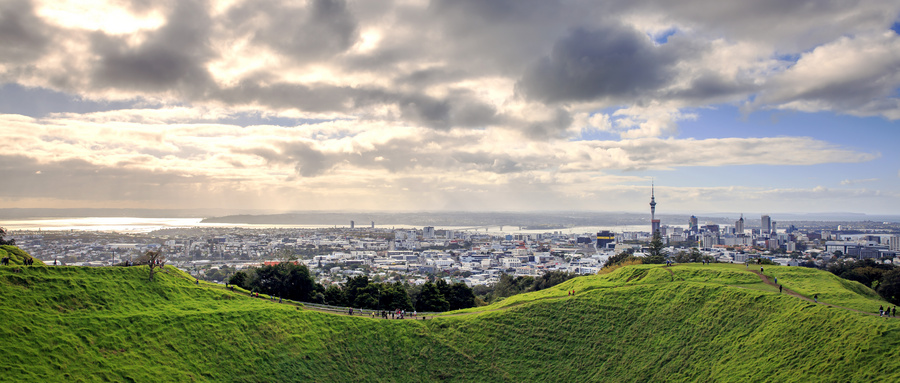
(638, 323)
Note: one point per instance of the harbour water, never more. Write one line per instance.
(145, 225)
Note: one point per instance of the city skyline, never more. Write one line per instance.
(451, 105)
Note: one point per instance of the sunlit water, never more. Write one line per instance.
(145, 225)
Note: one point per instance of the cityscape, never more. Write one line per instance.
(473, 257)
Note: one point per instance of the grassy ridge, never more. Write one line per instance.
(17, 256)
(643, 322)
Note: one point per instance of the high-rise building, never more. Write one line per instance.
(373, 224)
(739, 226)
(694, 224)
(765, 224)
(428, 232)
(654, 223)
(604, 238)
(352, 224)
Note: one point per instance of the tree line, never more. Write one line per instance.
(883, 278)
(293, 281)
(509, 285)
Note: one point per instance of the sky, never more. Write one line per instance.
(451, 105)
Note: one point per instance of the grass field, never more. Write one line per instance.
(646, 323)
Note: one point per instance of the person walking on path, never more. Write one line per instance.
(779, 288)
(881, 311)
(776, 280)
(816, 298)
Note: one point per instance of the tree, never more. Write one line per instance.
(889, 288)
(394, 297)
(286, 280)
(656, 250)
(154, 259)
(334, 296)
(367, 297)
(353, 287)
(618, 258)
(460, 296)
(240, 279)
(431, 299)
(11, 241)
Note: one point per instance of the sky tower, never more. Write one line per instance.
(654, 223)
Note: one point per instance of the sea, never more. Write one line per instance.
(146, 225)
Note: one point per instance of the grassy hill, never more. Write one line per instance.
(16, 255)
(645, 323)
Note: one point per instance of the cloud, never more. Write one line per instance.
(318, 29)
(613, 62)
(24, 35)
(172, 57)
(855, 75)
(269, 99)
(859, 181)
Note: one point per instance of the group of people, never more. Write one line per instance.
(398, 314)
(26, 262)
(887, 312)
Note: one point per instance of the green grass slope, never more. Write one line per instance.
(17, 256)
(639, 323)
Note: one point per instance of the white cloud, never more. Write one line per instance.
(858, 181)
(258, 101)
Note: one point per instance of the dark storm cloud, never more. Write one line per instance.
(431, 76)
(172, 58)
(320, 29)
(554, 127)
(711, 87)
(26, 177)
(611, 62)
(23, 35)
(306, 160)
(445, 113)
(499, 36)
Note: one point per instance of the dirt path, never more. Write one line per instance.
(790, 292)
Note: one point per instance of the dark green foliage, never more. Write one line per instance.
(656, 254)
(868, 272)
(693, 256)
(620, 258)
(510, 285)
(5, 241)
(285, 280)
(864, 275)
(240, 279)
(460, 296)
(394, 297)
(889, 286)
(334, 296)
(431, 299)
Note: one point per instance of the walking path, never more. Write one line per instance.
(788, 291)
